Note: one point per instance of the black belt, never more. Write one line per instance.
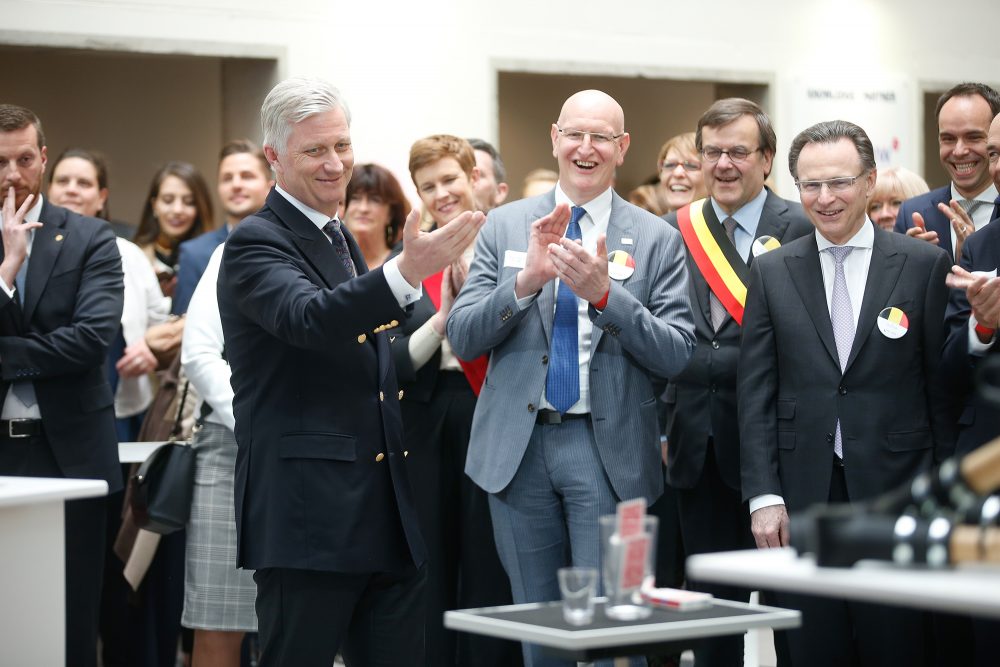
(20, 428)
(550, 417)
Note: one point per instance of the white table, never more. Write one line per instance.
(665, 631)
(972, 589)
(136, 452)
(32, 566)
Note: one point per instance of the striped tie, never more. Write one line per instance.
(842, 318)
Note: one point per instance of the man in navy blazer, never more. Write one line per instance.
(963, 114)
(324, 511)
(244, 181)
(61, 295)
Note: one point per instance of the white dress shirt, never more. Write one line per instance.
(856, 273)
(405, 293)
(747, 219)
(981, 215)
(592, 225)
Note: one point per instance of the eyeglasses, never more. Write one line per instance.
(841, 184)
(596, 138)
(737, 154)
(688, 166)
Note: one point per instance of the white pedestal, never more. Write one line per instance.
(32, 569)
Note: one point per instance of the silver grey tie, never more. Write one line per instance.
(842, 318)
(716, 309)
(970, 206)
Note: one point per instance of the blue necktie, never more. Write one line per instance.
(23, 389)
(562, 384)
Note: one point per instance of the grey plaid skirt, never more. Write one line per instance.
(217, 595)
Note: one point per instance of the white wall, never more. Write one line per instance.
(412, 68)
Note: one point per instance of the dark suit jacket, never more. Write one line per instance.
(59, 338)
(702, 399)
(934, 220)
(192, 258)
(979, 421)
(320, 476)
(891, 402)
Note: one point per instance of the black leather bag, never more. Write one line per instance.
(160, 491)
(162, 487)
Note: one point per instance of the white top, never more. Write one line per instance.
(592, 225)
(856, 273)
(144, 306)
(202, 346)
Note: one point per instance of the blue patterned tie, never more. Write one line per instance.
(562, 384)
(336, 235)
(842, 318)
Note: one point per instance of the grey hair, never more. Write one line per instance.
(830, 132)
(292, 101)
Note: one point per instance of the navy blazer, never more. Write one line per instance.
(192, 258)
(321, 482)
(57, 335)
(978, 420)
(934, 220)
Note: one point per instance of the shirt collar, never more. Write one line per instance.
(865, 238)
(35, 212)
(315, 217)
(746, 216)
(988, 195)
(598, 208)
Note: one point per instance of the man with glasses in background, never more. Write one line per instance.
(566, 424)
(840, 391)
(737, 145)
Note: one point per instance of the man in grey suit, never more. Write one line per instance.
(737, 145)
(840, 391)
(566, 424)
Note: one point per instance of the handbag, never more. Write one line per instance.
(160, 491)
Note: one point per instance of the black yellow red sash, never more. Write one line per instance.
(718, 261)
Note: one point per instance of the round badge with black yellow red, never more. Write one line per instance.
(620, 265)
(893, 323)
(764, 244)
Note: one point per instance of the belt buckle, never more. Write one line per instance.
(10, 428)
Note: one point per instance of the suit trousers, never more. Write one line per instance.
(838, 633)
(85, 526)
(463, 569)
(306, 616)
(714, 518)
(547, 517)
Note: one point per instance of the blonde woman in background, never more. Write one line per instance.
(679, 167)
(894, 186)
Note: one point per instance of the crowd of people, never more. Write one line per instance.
(404, 411)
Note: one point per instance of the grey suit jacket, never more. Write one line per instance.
(645, 333)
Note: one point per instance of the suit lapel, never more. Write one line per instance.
(45, 249)
(620, 224)
(883, 273)
(546, 301)
(807, 277)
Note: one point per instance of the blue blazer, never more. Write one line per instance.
(321, 481)
(192, 259)
(57, 335)
(934, 220)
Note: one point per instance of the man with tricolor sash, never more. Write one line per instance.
(737, 144)
(841, 390)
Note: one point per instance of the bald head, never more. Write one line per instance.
(589, 141)
(594, 103)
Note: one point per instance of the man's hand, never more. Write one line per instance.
(984, 297)
(15, 236)
(770, 526)
(960, 222)
(136, 361)
(585, 274)
(426, 253)
(919, 230)
(538, 268)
